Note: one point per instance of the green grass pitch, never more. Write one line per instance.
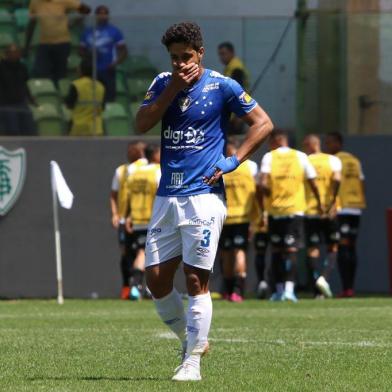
(106, 345)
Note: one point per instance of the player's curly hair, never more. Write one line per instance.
(186, 32)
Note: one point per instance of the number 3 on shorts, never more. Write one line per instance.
(205, 242)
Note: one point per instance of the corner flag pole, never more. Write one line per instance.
(60, 193)
(59, 272)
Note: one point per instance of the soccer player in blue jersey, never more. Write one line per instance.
(194, 105)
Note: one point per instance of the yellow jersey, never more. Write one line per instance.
(351, 192)
(53, 19)
(240, 190)
(234, 64)
(119, 184)
(325, 165)
(288, 171)
(88, 105)
(142, 187)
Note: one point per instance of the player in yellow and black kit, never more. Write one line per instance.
(284, 172)
(240, 197)
(319, 229)
(142, 187)
(261, 240)
(351, 202)
(118, 206)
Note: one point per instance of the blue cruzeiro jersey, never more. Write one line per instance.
(194, 127)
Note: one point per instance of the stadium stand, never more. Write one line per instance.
(48, 119)
(116, 120)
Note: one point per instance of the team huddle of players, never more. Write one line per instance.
(293, 193)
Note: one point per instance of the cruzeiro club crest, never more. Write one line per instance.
(184, 103)
(12, 176)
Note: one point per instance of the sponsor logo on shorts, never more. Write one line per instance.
(275, 238)
(155, 230)
(315, 238)
(260, 244)
(345, 229)
(202, 222)
(289, 239)
(239, 240)
(203, 252)
(141, 240)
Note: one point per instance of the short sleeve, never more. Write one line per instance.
(155, 89)
(237, 99)
(116, 181)
(265, 167)
(253, 168)
(361, 175)
(72, 4)
(159, 175)
(118, 37)
(310, 171)
(336, 164)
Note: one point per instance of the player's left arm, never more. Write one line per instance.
(311, 175)
(336, 179)
(260, 127)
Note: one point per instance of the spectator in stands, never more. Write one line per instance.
(110, 47)
(54, 44)
(235, 69)
(15, 114)
(85, 98)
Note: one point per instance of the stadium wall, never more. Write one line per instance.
(90, 253)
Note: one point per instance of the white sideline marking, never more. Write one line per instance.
(363, 344)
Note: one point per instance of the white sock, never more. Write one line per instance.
(289, 287)
(171, 312)
(198, 326)
(279, 288)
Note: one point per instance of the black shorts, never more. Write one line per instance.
(286, 232)
(349, 226)
(138, 239)
(321, 231)
(124, 238)
(234, 236)
(261, 242)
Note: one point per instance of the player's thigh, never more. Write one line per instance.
(200, 230)
(348, 228)
(241, 236)
(313, 232)
(261, 243)
(331, 233)
(163, 241)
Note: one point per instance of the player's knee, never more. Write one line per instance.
(158, 287)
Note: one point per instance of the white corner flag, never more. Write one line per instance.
(61, 191)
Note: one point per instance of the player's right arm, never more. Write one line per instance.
(336, 165)
(113, 199)
(158, 99)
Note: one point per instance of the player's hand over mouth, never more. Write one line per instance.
(184, 76)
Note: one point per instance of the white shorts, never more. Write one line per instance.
(186, 226)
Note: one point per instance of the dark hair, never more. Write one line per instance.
(86, 66)
(226, 45)
(101, 8)
(150, 150)
(276, 133)
(188, 33)
(337, 136)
